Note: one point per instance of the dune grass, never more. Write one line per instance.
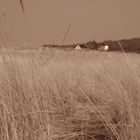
(69, 95)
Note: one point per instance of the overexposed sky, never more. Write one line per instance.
(47, 20)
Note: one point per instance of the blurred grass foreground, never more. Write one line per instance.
(69, 95)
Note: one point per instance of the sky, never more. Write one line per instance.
(46, 21)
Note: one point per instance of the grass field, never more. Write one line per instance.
(69, 95)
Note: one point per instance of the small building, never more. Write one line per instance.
(78, 47)
(104, 48)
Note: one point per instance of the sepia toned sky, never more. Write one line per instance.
(46, 21)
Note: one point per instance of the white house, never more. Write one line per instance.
(103, 48)
(78, 47)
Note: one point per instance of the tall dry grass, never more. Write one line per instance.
(73, 95)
